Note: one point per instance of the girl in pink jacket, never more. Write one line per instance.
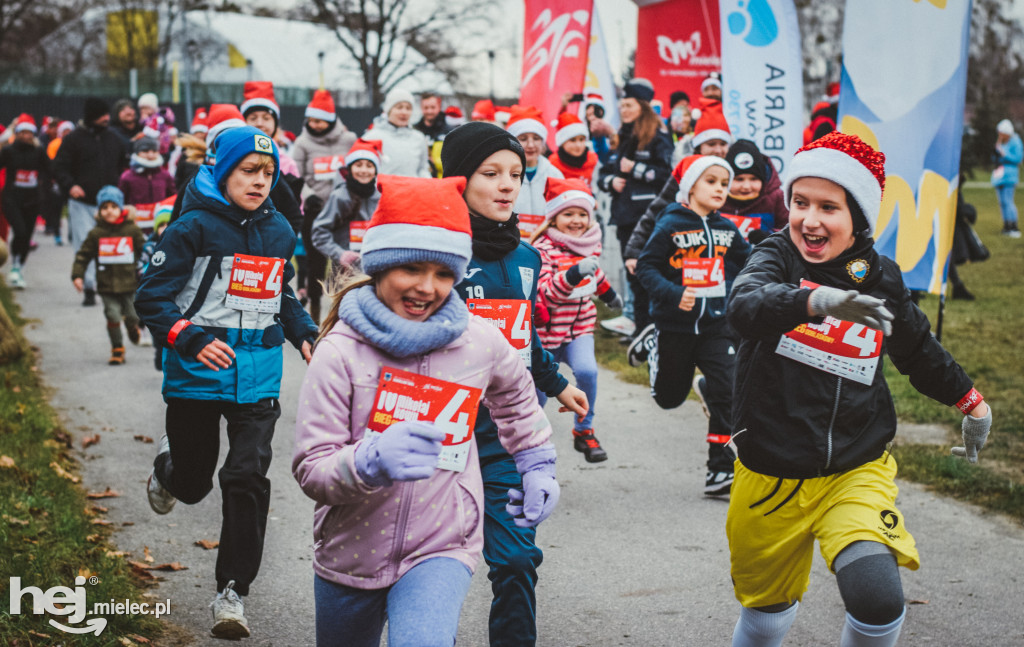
(384, 430)
(570, 242)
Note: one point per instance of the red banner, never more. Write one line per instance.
(677, 45)
(555, 46)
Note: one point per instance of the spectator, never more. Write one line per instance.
(148, 106)
(404, 147)
(1008, 154)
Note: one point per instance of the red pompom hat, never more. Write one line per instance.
(567, 127)
(25, 122)
(419, 219)
(199, 124)
(321, 106)
(689, 170)
(849, 162)
(483, 110)
(711, 125)
(259, 95)
(561, 194)
(526, 119)
(363, 149)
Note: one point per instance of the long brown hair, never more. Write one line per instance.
(646, 125)
(338, 284)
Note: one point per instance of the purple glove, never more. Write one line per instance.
(540, 489)
(406, 451)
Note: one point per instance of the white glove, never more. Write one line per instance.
(975, 433)
(588, 266)
(850, 305)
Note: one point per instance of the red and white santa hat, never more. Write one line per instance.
(567, 127)
(199, 124)
(222, 117)
(153, 127)
(712, 125)
(25, 122)
(419, 219)
(453, 116)
(849, 162)
(365, 149)
(689, 170)
(321, 106)
(526, 119)
(593, 98)
(259, 95)
(714, 79)
(483, 110)
(561, 194)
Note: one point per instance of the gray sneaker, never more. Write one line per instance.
(229, 614)
(160, 499)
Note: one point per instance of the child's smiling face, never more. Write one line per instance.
(574, 221)
(110, 212)
(820, 222)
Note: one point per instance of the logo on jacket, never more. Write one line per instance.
(158, 258)
(471, 271)
(526, 274)
(694, 244)
(858, 269)
(743, 160)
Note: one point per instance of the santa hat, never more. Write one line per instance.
(689, 170)
(48, 121)
(832, 92)
(364, 149)
(561, 194)
(418, 219)
(259, 95)
(25, 122)
(593, 98)
(453, 116)
(483, 110)
(850, 163)
(199, 121)
(321, 106)
(153, 127)
(223, 116)
(713, 79)
(526, 119)
(395, 97)
(64, 127)
(567, 127)
(712, 125)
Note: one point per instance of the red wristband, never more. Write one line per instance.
(176, 329)
(969, 401)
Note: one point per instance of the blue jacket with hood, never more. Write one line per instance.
(184, 289)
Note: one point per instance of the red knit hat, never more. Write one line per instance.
(561, 194)
(849, 162)
(689, 170)
(259, 95)
(25, 122)
(199, 124)
(321, 106)
(526, 119)
(712, 125)
(418, 219)
(483, 110)
(365, 149)
(222, 116)
(567, 127)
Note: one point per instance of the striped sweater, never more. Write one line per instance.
(571, 313)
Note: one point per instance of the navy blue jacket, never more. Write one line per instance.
(512, 277)
(187, 281)
(652, 169)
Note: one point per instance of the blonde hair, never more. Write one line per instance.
(543, 228)
(338, 284)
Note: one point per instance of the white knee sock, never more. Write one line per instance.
(759, 629)
(858, 634)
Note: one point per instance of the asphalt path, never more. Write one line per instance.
(634, 554)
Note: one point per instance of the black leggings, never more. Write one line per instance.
(21, 215)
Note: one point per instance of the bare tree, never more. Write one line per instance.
(23, 23)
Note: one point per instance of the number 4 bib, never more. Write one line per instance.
(835, 346)
(512, 317)
(255, 284)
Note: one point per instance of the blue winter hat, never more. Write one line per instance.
(110, 193)
(234, 144)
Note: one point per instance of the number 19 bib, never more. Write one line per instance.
(255, 284)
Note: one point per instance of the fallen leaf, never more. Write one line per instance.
(100, 509)
(207, 544)
(143, 439)
(6, 461)
(140, 639)
(94, 538)
(146, 554)
(60, 471)
(101, 522)
(21, 408)
(86, 573)
(89, 441)
(14, 521)
(105, 494)
(127, 523)
(15, 389)
(117, 553)
(126, 642)
(38, 634)
(142, 570)
(170, 566)
(64, 438)
(917, 601)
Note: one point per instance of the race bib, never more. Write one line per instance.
(119, 250)
(745, 224)
(584, 288)
(402, 395)
(705, 276)
(26, 179)
(144, 214)
(255, 284)
(842, 348)
(326, 168)
(528, 223)
(356, 232)
(513, 318)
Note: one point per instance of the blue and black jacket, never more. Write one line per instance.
(513, 276)
(182, 298)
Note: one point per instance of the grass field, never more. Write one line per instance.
(985, 337)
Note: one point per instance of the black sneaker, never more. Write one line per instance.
(90, 298)
(717, 483)
(586, 442)
(700, 386)
(641, 346)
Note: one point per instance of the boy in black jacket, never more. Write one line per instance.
(687, 268)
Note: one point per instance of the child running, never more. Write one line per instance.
(688, 266)
(115, 243)
(569, 241)
(24, 192)
(399, 515)
(817, 307)
(217, 295)
(338, 230)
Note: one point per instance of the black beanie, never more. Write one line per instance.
(744, 157)
(94, 109)
(466, 147)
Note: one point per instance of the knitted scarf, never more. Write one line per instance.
(492, 239)
(589, 244)
(575, 161)
(400, 337)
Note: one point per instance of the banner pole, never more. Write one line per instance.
(938, 323)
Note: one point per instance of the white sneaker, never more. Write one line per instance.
(15, 279)
(1013, 233)
(229, 614)
(160, 500)
(145, 338)
(621, 325)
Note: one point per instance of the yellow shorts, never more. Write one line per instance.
(771, 545)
